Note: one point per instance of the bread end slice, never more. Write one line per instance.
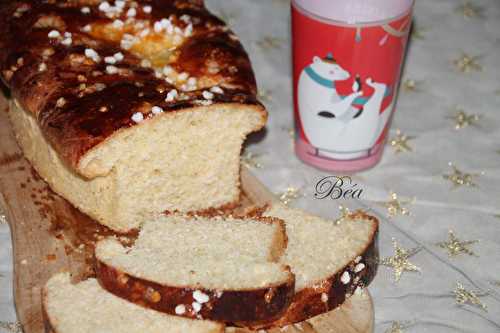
(86, 307)
(347, 264)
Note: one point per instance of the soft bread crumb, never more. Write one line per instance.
(318, 248)
(177, 161)
(217, 254)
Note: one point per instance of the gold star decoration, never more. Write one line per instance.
(455, 246)
(228, 17)
(400, 142)
(464, 296)
(251, 160)
(463, 119)
(11, 327)
(395, 206)
(469, 10)
(291, 134)
(396, 327)
(265, 95)
(417, 32)
(459, 178)
(399, 262)
(345, 213)
(270, 43)
(290, 194)
(411, 85)
(467, 63)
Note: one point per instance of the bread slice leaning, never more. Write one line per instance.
(330, 260)
(87, 308)
(222, 269)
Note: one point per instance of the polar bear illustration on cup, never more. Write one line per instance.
(340, 127)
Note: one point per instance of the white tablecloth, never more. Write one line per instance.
(420, 302)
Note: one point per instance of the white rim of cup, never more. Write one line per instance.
(346, 24)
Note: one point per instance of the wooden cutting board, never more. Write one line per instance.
(50, 236)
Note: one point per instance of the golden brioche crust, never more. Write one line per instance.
(87, 69)
(252, 307)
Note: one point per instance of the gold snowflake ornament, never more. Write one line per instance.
(464, 296)
(460, 178)
(11, 327)
(468, 10)
(467, 63)
(290, 194)
(455, 246)
(400, 142)
(251, 160)
(396, 206)
(463, 119)
(399, 262)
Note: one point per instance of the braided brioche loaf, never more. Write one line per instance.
(129, 108)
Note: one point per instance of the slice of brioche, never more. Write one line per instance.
(222, 269)
(87, 308)
(331, 261)
(263, 238)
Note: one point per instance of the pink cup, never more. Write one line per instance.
(347, 64)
